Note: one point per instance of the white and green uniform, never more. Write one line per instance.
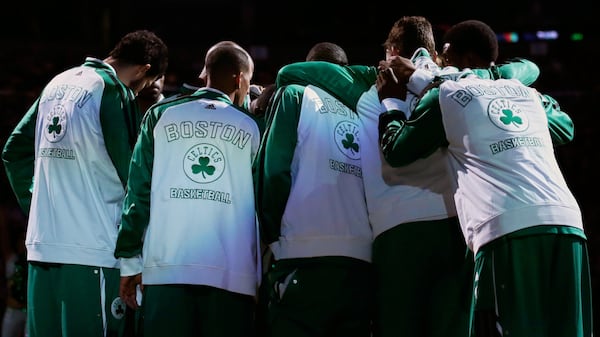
(406, 203)
(496, 132)
(403, 204)
(401, 198)
(189, 211)
(67, 163)
(311, 194)
(503, 161)
(516, 211)
(189, 222)
(420, 191)
(313, 215)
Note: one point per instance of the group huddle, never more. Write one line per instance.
(418, 197)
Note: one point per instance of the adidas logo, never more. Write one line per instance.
(210, 107)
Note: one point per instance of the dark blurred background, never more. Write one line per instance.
(40, 39)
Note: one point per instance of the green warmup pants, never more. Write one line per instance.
(65, 300)
(533, 283)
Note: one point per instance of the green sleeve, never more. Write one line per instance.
(524, 70)
(560, 124)
(274, 161)
(120, 120)
(405, 141)
(521, 69)
(18, 157)
(136, 207)
(346, 83)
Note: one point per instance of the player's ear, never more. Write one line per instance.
(238, 79)
(142, 70)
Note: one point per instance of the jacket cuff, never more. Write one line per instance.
(131, 266)
(390, 103)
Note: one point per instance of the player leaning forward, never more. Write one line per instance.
(67, 163)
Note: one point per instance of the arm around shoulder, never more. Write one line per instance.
(405, 141)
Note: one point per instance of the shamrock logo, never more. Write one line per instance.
(120, 310)
(55, 123)
(55, 127)
(349, 143)
(510, 118)
(204, 163)
(117, 308)
(203, 167)
(507, 115)
(347, 138)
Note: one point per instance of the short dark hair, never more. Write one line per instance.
(143, 47)
(473, 36)
(329, 52)
(410, 33)
(227, 59)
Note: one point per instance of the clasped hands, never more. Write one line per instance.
(393, 75)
